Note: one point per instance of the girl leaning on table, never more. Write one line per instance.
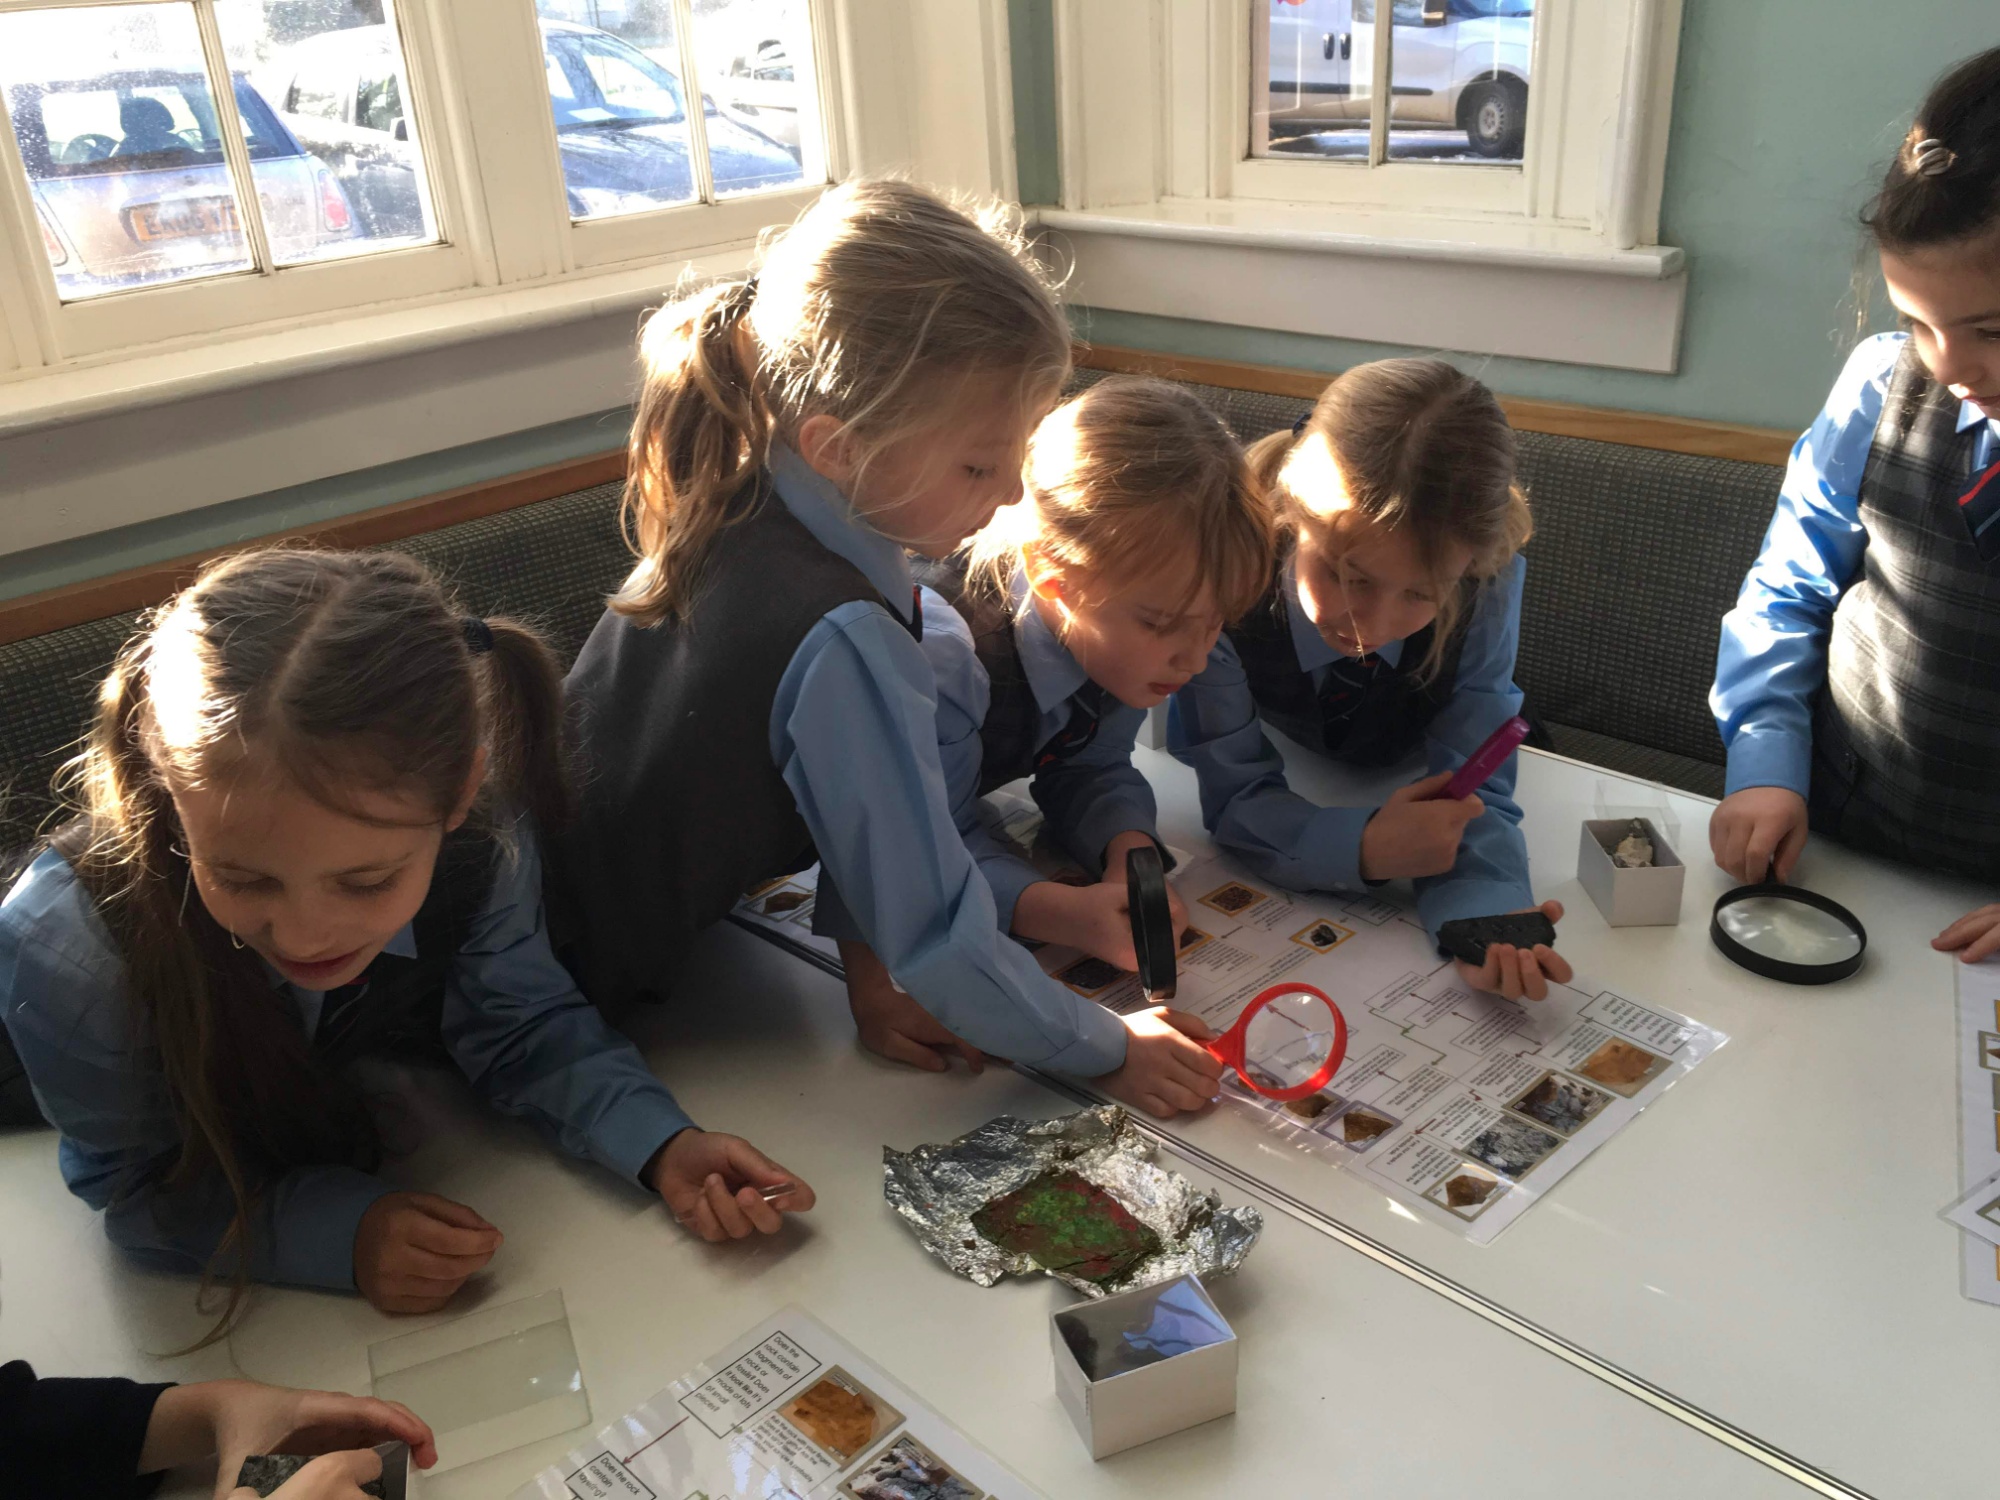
(1388, 627)
(757, 695)
(1078, 608)
(306, 834)
(1857, 686)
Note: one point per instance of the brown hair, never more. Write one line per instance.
(1944, 185)
(1127, 475)
(1412, 442)
(879, 292)
(338, 669)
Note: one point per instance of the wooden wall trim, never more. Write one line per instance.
(1637, 429)
(136, 588)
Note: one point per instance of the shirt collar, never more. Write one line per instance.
(1053, 674)
(1311, 647)
(817, 504)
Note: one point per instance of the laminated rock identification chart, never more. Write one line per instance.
(789, 1409)
(1463, 1106)
(1979, 1092)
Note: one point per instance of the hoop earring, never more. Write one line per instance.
(235, 941)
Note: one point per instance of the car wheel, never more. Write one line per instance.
(1495, 117)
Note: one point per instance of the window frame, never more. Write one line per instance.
(1592, 165)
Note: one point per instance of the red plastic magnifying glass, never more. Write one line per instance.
(1287, 1044)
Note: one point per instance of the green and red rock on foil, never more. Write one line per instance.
(1078, 1197)
(1067, 1224)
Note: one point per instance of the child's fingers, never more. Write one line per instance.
(1552, 909)
(452, 1242)
(1533, 985)
(1789, 849)
(1189, 1025)
(1553, 964)
(450, 1212)
(1983, 946)
(419, 1264)
(722, 1203)
(764, 1217)
(903, 1049)
(974, 1058)
(1962, 931)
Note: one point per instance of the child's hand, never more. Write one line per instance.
(1518, 974)
(333, 1476)
(1411, 836)
(1974, 936)
(1753, 830)
(894, 1026)
(1093, 918)
(251, 1418)
(414, 1250)
(711, 1183)
(1114, 874)
(1164, 1073)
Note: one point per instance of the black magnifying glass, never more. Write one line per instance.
(1153, 935)
(1787, 933)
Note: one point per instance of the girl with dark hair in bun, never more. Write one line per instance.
(1858, 682)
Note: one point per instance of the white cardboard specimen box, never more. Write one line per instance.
(1646, 897)
(1141, 1364)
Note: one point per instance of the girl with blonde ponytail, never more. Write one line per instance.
(305, 833)
(756, 696)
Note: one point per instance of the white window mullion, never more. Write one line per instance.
(1381, 82)
(697, 123)
(235, 144)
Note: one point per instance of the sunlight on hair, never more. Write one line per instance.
(1312, 477)
(177, 691)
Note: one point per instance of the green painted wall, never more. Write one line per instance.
(1784, 112)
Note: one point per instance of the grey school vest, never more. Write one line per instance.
(680, 809)
(1906, 735)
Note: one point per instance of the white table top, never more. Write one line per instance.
(1354, 1381)
(1764, 1242)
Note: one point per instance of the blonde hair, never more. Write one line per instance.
(1414, 443)
(878, 293)
(339, 670)
(1131, 477)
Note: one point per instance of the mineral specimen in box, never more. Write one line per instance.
(1068, 1224)
(1635, 850)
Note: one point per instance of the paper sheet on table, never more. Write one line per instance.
(1462, 1106)
(1979, 1098)
(787, 1412)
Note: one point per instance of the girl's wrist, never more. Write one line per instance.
(183, 1425)
(1041, 913)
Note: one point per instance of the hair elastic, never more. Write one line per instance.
(1931, 157)
(1300, 425)
(478, 635)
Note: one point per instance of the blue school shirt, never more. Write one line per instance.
(1772, 658)
(1087, 799)
(854, 734)
(514, 1023)
(1251, 811)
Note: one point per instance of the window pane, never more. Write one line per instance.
(328, 77)
(621, 123)
(1314, 69)
(117, 128)
(752, 55)
(1460, 74)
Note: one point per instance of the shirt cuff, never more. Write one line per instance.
(1330, 852)
(1100, 1050)
(1008, 877)
(631, 1134)
(1770, 758)
(1453, 899)
(315, 1227)
(1093, 834)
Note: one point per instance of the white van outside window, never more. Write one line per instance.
(1458, 80)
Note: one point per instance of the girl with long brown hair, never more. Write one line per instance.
(756, 696)
(1387, 629)
(306, 834)
(1094, 598)
(1854, 685)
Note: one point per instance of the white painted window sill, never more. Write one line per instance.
(35, 399)
(1486, 286)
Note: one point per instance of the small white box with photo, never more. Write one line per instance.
(1138, 1365)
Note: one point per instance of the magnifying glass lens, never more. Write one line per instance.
(1790, 931)
(1288, 1041)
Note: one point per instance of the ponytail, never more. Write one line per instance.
(699, 436)
(524, 724)
(1944, 185)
